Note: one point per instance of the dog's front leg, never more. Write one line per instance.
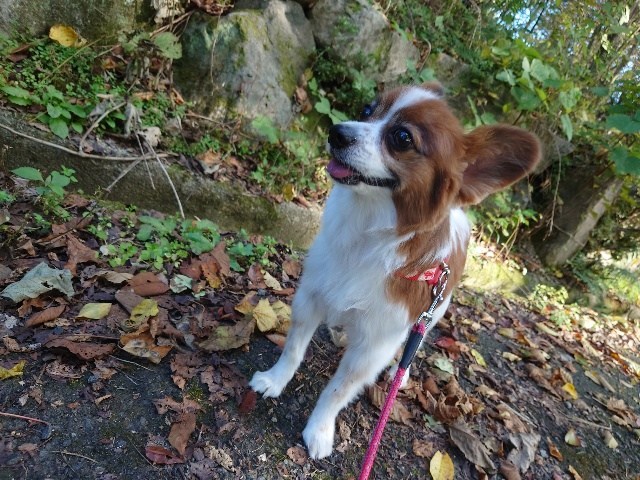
(305, 318)
(364, 359)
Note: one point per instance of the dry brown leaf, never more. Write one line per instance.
(44, 316)
(576, 475)
(524, 451)
(298, 455)
(277, 338)
(84, 350)
(161, 456)
(399, 413)
(181, 430)
(248, 402)
(292, 268)
(423, 448)
(147, 284)
(221, 457)
(471, 446)
(553, 450)
(163, 405)
(509, 470)
(141, 344)
(78, 253)
(228, 337)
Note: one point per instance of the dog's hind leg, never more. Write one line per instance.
(364, 359)
(306, 316)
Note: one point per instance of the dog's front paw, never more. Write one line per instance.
(319, 439)
(267, 383)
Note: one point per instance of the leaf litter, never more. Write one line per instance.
(490, 383)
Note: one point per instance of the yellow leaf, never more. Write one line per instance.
(266, 318)
(288, 192)
(572, 439)
(479, 358)
(571, 390)
(246, 306)
(283, 311)
(512, 357)
(66, 36)
(146, 309)
(441, 466)
(610, 440)
(15, 371)
(95, 311)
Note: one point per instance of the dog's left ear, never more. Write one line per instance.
(497, 156)
(434, 87)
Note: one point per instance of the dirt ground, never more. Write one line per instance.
(102, 433)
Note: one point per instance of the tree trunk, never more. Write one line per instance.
(583, 200)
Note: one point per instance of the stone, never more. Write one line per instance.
(361, 35)
(101, 19)
(246, 64)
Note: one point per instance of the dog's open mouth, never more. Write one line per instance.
(346, 175)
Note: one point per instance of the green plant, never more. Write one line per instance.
(243, 252)
(6, 197)
(544, 297)
(121, 253)
(50, 189)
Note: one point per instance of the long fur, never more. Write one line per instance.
(373, 237)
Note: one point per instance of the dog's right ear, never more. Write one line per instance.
(497, 156)
(435, 87)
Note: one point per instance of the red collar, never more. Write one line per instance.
(431, 276)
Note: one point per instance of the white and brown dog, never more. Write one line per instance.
(402, 174)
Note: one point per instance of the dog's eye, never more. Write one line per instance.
(366, 112)
(401, 139)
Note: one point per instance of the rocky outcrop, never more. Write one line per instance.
(247, 63)
(360, 34)
(103, 19)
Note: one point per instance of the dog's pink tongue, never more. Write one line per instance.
(337, 170)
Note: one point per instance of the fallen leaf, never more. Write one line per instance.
(524, 451)
(298, 455)
(470, 445)
(163, 405)
(512, 357)
(479, 358)
(221, 457)
(553, 450)
(444, 364)
(142, 312)
(40, 279)
(277, 338)
(228, 337)
(16, 371)
(509, 470)
(146, 284)
(283, 312)
(248, 402)
(161, 456)
(292, 268)
(441, 466)
(571, 390)
(423, 448)
(576, 475)
(94, 311)
(247, 304)
(180, 283)
(141, 344)
(270, 281)
(84, 350)
(211, 270)
(399, 412)
(181, 430)
(266, 318)
(572, 439)
(45, 316)
(66, 36)
(78, 253)
(114, 277)
(609, 439)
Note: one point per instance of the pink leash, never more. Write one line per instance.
(411, 347)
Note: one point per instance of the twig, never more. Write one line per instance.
(21, 417)
(65, 452)
(129, 361)
(128, 377)
(97, 122)
(124, 173)
(139, 452)
(82, 154)
(586, 422)
(166, 174)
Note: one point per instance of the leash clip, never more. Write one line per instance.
(438, 296)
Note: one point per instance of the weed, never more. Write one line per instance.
(50, 189)
(243, 252)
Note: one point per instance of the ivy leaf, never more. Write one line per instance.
(59, 127)
(623, 123)
(567, 126)
(507, 76)
(624, 162)
(323, 106)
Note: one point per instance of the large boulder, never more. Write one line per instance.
(361, 35)
(248, 63)
(99, 19)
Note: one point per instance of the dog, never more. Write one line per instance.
(402, 174)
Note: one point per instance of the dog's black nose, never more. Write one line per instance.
(341, 136)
